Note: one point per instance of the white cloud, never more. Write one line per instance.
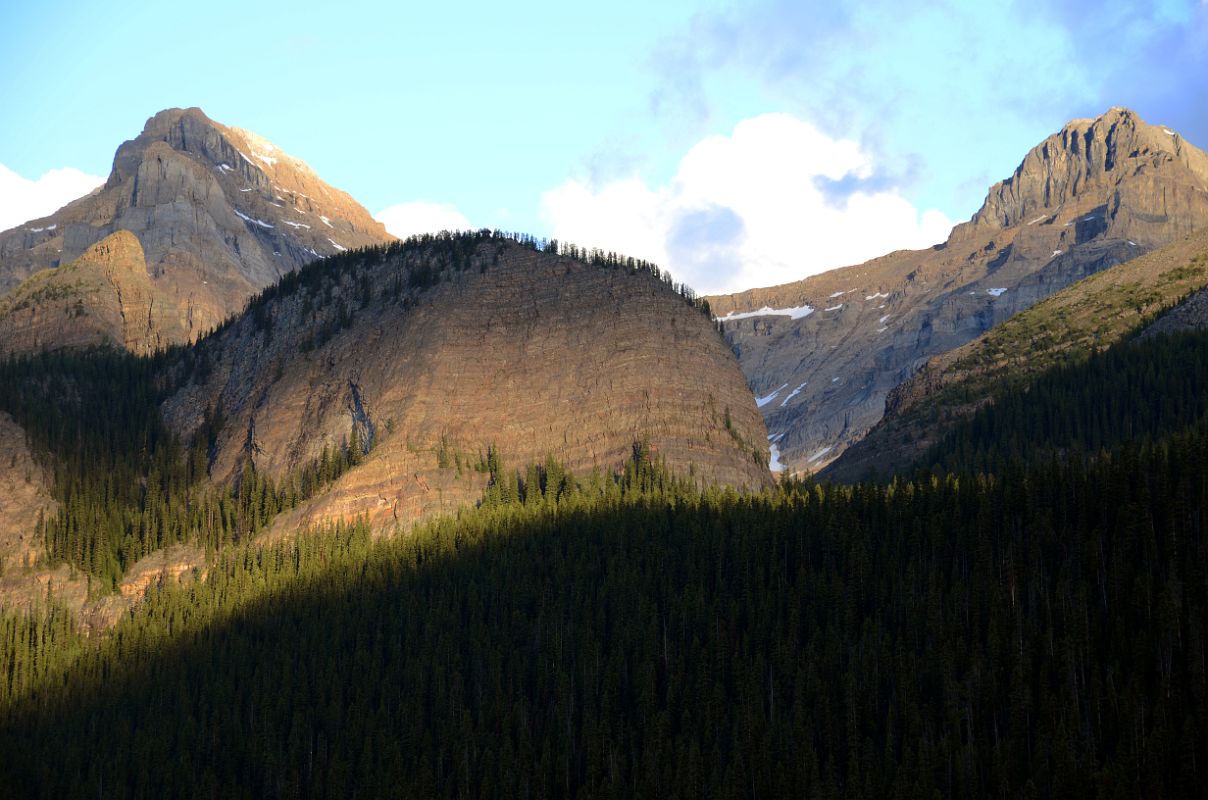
(22, 200)
(749, 209)
(405, 219)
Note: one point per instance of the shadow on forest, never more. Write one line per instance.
(953, 637)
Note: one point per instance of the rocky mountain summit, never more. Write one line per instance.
(219, 213)
(822, 354)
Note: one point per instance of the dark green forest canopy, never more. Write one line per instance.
(1137, 390)
(1041, 633)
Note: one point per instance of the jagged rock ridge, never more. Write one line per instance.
(219, 213)
(1096, 194)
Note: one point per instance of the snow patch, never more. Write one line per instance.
(246, 218)
(792, 394)
(834, 308)
(1038, 219)
(326, 221)
(882, 319)
(1056, 253)
(774, 464)
(295, 224)
(266, 159)
(337, 245)
(820, 454)
(248, 189)
(1168, 132)
(795, 313)
(882, 330)
(47, 228)
(875, 296)
(763, 401)
(834, 380)
(1131, 243)
(996, 292)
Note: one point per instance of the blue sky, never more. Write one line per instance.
(738, 143)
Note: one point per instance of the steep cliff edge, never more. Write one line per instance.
(105, 297)
(219, 213)
(823, 354)
(433, 352)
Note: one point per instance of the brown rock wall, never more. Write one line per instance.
(535, 354)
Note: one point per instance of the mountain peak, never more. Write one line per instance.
(218, 212)
(1085, 157)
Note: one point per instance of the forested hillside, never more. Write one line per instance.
(1138, 390)
(1039, 633)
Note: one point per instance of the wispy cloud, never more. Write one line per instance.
(946, 89)
(773, 202)
(22, 199)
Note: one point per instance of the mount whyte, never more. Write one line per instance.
(216, 213)
(822, 354)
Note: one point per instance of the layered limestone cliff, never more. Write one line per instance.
(533, 354)
(219, 213)
(822, 354)
(105, 297)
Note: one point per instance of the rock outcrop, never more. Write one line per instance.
(105, 297)
(24, 497)
(531, 353)
(219, 213)
(823, 353)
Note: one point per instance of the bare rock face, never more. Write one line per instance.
(531, 353)
(1154, 177)
(105, 297)
(24, 496)
(220, 213)
(823, 353)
